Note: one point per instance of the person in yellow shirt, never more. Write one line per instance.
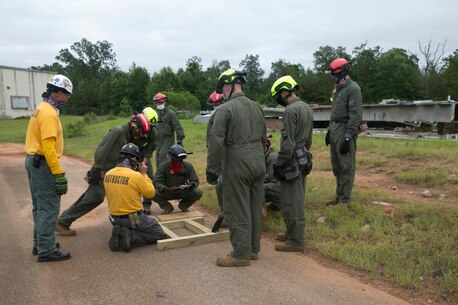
(44, 144)
(124, 187)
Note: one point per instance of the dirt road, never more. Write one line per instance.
(95, 275)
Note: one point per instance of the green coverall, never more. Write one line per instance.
(296, 132)
(147, 147)
(164, 178)
(236, 151)
(272, 184)
(345, 118)
(106, 157)
(167, 125)
(219, 186)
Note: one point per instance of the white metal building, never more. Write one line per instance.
(20, 90)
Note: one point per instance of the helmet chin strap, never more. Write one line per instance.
(230, 94)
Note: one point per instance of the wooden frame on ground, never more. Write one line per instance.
(191, 222)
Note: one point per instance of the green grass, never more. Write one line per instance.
(416, 247)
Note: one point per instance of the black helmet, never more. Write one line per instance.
(230, 76)
(177, 152)
(131, 150)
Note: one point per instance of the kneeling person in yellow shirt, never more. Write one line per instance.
(124, 187)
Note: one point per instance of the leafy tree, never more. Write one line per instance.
(118, 83)
(254, 76)
(398, 76)
(85, 60)
(136, 87)
(193, 80)
(364, 69)
(326, 54)
(54, 67)
(182, 101)
(164, 80)
(449, 76)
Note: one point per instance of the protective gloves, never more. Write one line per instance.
(278, 172)
(327, 140)
(61, 184)
(212, 178)
(218, 223)
(345, 146)
(94, 176)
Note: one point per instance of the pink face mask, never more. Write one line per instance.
(160, 106)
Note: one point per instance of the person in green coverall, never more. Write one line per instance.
(346, 116)
(296, 140)
(106, 157)
(147, 148)
(272, 197)
(167, 125)
(176, 179)
(236, 151)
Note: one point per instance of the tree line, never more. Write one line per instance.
(101, 87)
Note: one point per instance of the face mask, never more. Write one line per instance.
(160, 107)
(56, 103)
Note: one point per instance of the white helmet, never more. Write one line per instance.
(61, 81)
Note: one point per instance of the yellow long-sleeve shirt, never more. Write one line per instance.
(44, 136)
(124, 188)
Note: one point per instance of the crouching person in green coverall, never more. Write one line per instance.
(176, 179)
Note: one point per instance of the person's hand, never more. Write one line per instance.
(212, 178)
(327, 140)
(218, 223)
(142, 168)
(172, 189)
(345, 146)
(61, 184)
(278, 172)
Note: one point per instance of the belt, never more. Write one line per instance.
(341, 121)
(40, 157)
(127, 215)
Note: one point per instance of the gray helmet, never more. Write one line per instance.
(177, 152)
(131, 150)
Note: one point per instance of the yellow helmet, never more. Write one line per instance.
(151, 114)
(230, 76)
(284, 83)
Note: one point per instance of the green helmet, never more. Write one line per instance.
(284, 83)
(230, 76)
(151, 114)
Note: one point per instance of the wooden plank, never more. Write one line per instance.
(169, 232)
(180, 223)
(195, 227)
(178, 216)
(185, 241)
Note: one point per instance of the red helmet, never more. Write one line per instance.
(141, 121)
(160, 98)
(215, 99)
(338, 65)
(268, 141)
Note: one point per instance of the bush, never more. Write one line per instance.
(73, 130)
(125, 108)
(90, 118)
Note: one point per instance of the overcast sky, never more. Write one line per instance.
(154, 34)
